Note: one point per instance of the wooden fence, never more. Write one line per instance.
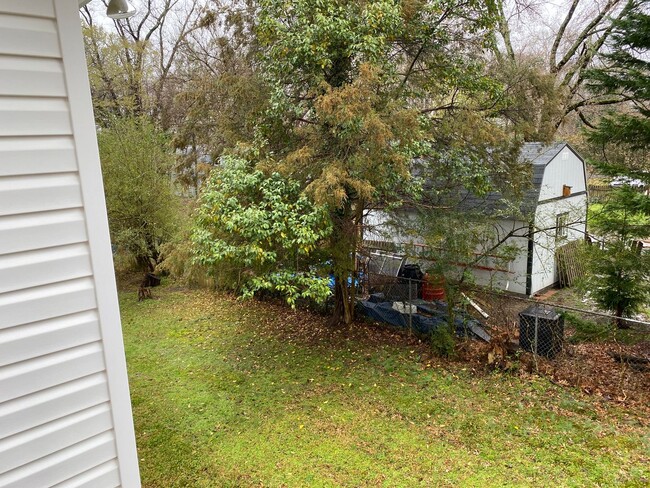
(598, 193)
(570, 263)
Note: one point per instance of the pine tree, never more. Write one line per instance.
(626, 71)
(620, 275)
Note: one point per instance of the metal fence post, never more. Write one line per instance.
(536, 327)
(410, 309)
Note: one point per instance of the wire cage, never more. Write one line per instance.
(541, 330)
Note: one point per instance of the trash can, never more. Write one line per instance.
(411, 274)
(541, 330)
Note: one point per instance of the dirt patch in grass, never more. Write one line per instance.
(590, 367)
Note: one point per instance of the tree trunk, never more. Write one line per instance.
(620, 323)
(343, 305)
(344, 244)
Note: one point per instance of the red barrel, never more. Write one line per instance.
(433, 288)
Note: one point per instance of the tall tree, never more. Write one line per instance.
(132, 63)
(544, 64)
(142, 207)
(223, 94)
(626, 74)
(360, 89)
(620, 274)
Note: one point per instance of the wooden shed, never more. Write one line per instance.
(553, 214)
(65, 413)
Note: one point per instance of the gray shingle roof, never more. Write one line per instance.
(538, 155)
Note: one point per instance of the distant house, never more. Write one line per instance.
(65, 413)
(556, 213)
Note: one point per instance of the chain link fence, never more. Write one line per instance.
(581, 320)
(563, 335)
(560, 334)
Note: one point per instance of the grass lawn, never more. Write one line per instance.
(249, 394)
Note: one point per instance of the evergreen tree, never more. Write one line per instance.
(626, 71)
(620, 274)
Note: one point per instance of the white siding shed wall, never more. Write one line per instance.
(544, 272)
(65, 415)
(565, 169)
(509, 276)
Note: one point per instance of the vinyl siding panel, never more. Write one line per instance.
(30, 411)
(44, 302)
(38, 77)
(41, 230)
(41, 338)
(47, 371)
(104, 476)
(41, 441)
(28, 8)
(566, 168)
(546, 243)
(62, 465)
(34, 116)
(26, 270)
(64, 406)
(26, 194)
(28, 36)
(37, 155)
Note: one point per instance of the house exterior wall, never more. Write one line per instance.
(65, 413)
(376, 227)
(510, 276)
(489, 272)
(565, 169)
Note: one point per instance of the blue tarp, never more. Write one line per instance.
(436, 316)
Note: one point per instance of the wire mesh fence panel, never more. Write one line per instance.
(562, 335)
(384, 263)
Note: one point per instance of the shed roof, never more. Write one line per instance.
(538, 155)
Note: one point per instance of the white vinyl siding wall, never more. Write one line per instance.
(566, 168)
(544, 272)
(64, 406)
(513, 278)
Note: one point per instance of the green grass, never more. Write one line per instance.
(246, 394)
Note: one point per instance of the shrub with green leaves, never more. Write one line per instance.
(260, 232)
(142, 206)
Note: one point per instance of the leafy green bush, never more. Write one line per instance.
(259, 232)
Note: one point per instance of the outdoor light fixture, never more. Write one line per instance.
(119, 9)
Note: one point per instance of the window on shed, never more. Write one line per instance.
(562, 225)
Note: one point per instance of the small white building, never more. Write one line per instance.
(65, 412)
(556, 214)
